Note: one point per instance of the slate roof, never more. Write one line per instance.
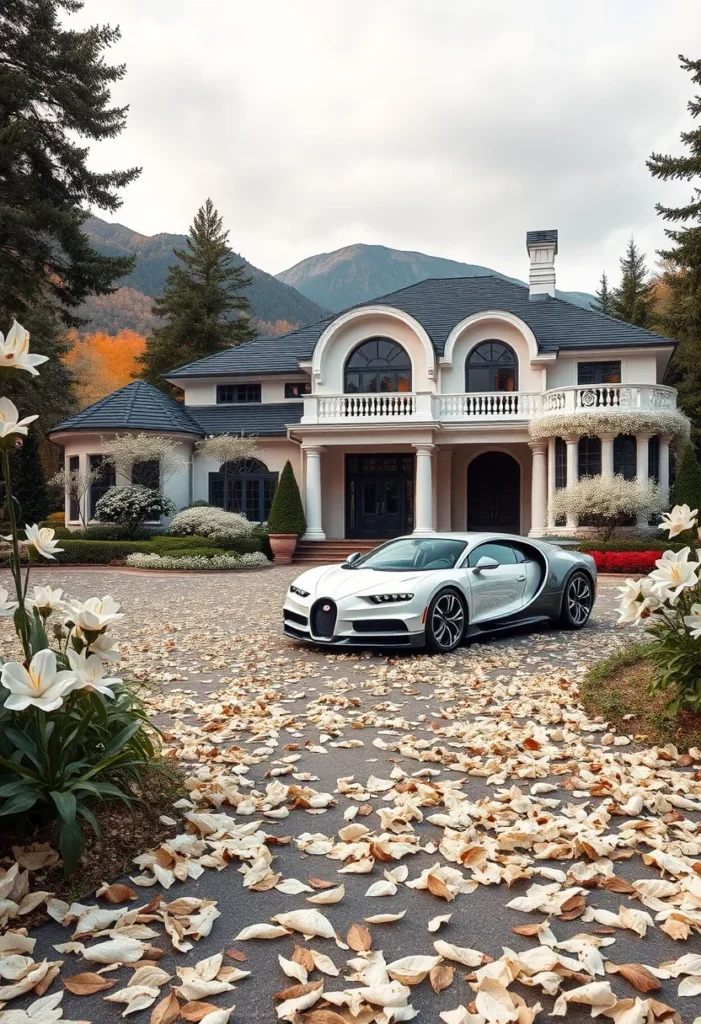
(439, 304)
(138, 406)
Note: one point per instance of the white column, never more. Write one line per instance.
(423, 500)
(551, 479)
(312, 493)
(664, 466)
(606, 454)
(539, 488)
(572, 471)
(444, 489)
(641, 466)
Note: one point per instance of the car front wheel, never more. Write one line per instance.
(445, 622)
(578, 601)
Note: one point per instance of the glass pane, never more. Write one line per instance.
(387, 382)
(478, 378)
(505, 379)
(369, 498)
(392, 498)
(503, 553)
(403, 382)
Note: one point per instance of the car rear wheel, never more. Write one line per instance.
(577, 602)
(445, 622)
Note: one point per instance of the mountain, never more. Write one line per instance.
(274, 302)
(359, 272)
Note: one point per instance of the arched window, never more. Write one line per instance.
(491, 366)
(625, 456)
(245, 486)
(377, 365)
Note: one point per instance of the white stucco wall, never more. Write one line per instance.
(636, 367)
(204, 392)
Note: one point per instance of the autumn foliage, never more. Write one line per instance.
(102, 363)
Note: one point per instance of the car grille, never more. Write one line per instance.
(323, 618)
(295, 617)
(380, 626)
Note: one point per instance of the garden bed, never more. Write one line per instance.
(618, 687)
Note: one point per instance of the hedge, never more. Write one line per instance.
(632, 562)
(103, 552)
(659, 544)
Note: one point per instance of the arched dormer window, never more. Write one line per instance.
(377, 365)
(491, 366)
(245, 486)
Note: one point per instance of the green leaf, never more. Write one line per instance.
(92, 821)
(21, 802)
(25, 745)
(19, 769)
(121, 739)
(71, 838)
(38, 639)
(65, 804)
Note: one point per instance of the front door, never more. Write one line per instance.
(380, 496)
(493, 494)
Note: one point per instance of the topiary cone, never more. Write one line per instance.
(286, 521)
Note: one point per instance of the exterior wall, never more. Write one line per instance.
(204, 392)
(636, 367)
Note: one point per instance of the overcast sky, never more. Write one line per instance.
(446, 126)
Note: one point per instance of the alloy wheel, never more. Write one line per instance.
(447, 620)
(579, 600)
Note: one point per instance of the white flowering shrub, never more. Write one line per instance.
(131, 507)
(247, 561)
(206, 521)
(123, 450)
(668, 603)
(228, 447)
(614, 421)
(607, 501)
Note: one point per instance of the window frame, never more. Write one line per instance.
(588, 451)
(597, 366)
(625, 456)
(110, 476)
(227, 490)
(493, 365)
(306, 384)
(396, 367)
(248, 389)
(72, 502)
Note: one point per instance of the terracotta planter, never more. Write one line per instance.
(283, 547)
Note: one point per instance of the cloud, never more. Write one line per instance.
(447, 126)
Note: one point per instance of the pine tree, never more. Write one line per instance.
(604, 298)
(632, 300)
(54, 94)
(29, 481)
(681, 318)
(203, 301)
(686, 489)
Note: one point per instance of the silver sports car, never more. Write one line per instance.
(435, 591)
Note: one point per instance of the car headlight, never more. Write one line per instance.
(299, 592)
(389, 598)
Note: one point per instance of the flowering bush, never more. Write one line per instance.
(668, 602)
(625, 561)
(607, 501)
(132, 506)
(123, 450)
(247, 561)
(210, 522)
(71, 732)
(604, 421)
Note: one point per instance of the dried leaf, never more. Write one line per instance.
(116, 893)
(637, 975)
(441, 977)
(88, 983)
(359, 938)
(195, 1011)
(167, 1011)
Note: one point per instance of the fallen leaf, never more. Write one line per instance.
(88, 983)
(359, 938)
(195, 1011)
(116, 893)
(441, 977)
(167, 1011)
(637, 975)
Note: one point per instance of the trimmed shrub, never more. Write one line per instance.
(199, 561)
(211, 522)
(686, 489)
(629, 562)
(133, 506)
(286, 513)
(658, 544)
(56, 519)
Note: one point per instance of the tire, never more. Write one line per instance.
(446, 621)
(577, 601)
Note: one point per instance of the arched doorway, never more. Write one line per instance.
(494, 494)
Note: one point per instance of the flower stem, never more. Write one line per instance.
(22, 623)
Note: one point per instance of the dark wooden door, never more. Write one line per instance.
(379, 496)
(493, 494)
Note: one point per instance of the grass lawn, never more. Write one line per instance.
(617, 687)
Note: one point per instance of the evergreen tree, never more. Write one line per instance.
(604, 298)
(54, 94)
(286, 512)
(632, 300)
(686, 489)
(203, 302)
(29, 482)
(681, 318)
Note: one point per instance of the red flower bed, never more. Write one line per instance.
(634, 562)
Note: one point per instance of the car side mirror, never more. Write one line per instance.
(353, 558)
(486, 563)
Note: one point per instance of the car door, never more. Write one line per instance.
(498, 591)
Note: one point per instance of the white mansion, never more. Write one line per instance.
(452, 404)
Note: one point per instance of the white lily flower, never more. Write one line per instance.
(674, 573)
(90, 674)
(45, 600)
(679, 519)
(95, 614)
(14, 351)
(10, 423)
(693, 621)
(631, 597)
(103, 645)
(39, 686)
(6, 607)
(41, 538)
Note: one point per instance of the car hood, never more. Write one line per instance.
(335, 582)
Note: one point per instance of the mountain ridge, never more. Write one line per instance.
(358, 272)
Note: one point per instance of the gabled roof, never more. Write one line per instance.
(439, 304)
(138, 406)
(266, 420)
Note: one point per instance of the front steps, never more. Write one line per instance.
(329, 552)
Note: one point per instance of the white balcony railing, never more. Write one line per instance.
(484, 407)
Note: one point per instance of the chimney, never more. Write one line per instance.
(542, 249)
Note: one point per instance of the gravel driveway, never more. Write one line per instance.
(498, 721)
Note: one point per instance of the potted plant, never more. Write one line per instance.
(286, 521)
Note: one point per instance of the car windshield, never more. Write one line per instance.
(410, 554)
